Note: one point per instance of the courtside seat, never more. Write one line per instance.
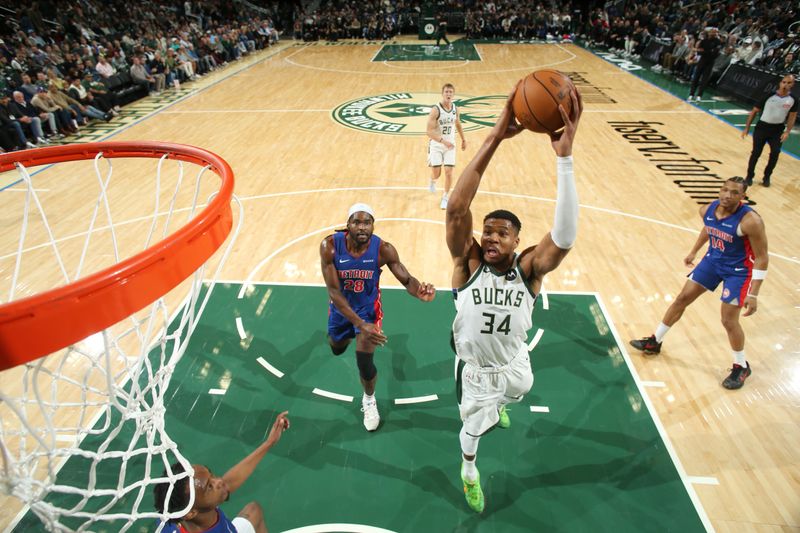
(122, 85)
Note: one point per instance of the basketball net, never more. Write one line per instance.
(83, 437)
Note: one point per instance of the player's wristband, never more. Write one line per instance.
(759, 274)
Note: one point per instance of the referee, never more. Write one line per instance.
(775, 110)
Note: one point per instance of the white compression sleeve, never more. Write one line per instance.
(565, 223)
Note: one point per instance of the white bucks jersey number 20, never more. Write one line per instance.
(493, 316)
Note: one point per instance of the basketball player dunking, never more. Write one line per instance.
(443, 121)
(497, 288)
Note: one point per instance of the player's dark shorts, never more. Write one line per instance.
(339, 328)
(735, 280)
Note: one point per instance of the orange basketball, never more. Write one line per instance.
(537, 98)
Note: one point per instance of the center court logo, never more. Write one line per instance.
(407, 113)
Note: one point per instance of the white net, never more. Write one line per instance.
(83, 437)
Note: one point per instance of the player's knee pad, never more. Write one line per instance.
(366, 365)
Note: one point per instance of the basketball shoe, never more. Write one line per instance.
(505, 420)
(647, 345)
(432, 186)
(371, 416)
(737, 376)
(443, 203)
(473, 492)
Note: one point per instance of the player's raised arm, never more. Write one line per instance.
(458, 220)
(555, 245)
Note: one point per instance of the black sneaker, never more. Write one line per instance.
(749, 181)
(737, 376)
(647, 344)
(765, 183)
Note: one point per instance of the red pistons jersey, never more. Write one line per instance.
(358, 276)
(725, 246)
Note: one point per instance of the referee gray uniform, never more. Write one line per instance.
(775, 110)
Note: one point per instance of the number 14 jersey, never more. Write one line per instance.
(726, 246)
(493, 316)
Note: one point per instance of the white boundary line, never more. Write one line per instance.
(700, 480)
(271, 369)
(403, 188)
(332, 395)
(217, 392)
(529, 68)
(240, 328)
(654, 384)
(416, 399)
(539, 409)
(657, 421)
(535, 340)
(338, 528)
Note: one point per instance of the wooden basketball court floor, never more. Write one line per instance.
(311, 129)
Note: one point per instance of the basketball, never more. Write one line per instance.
(537, 98)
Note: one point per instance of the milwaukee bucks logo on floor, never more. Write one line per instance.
(407, 113)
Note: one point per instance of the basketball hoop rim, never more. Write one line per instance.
(41, 324)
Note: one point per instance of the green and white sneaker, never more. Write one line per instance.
(473, 492)
(505, 420)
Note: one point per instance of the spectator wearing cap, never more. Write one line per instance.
(58, 119)
(101, 97)
(27, 116)
(79, 93)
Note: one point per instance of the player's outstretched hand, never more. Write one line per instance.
(426, 292)
(281, 423)
(373, 334)
(750, 305)
(562, 140)
(507, 125)
(688, 261)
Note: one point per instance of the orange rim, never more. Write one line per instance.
(44, 323)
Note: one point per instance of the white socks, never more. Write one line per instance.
(738, 358)
(367, 399)
(661, 330)
(468, 470)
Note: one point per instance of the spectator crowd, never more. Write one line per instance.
(62, 64)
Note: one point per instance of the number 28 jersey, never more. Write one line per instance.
(359, 277)
(493, 316)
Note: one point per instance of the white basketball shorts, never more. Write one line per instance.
(481, 391)
(439, 155)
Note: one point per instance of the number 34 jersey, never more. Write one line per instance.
(493, 316)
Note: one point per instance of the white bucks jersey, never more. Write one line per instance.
(447, 123)
(493, 316)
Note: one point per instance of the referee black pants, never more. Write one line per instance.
(764, 133)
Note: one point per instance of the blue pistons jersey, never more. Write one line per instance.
(358, 276)
(725, 246)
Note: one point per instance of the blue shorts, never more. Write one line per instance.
(735, 280)
(339, 328)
